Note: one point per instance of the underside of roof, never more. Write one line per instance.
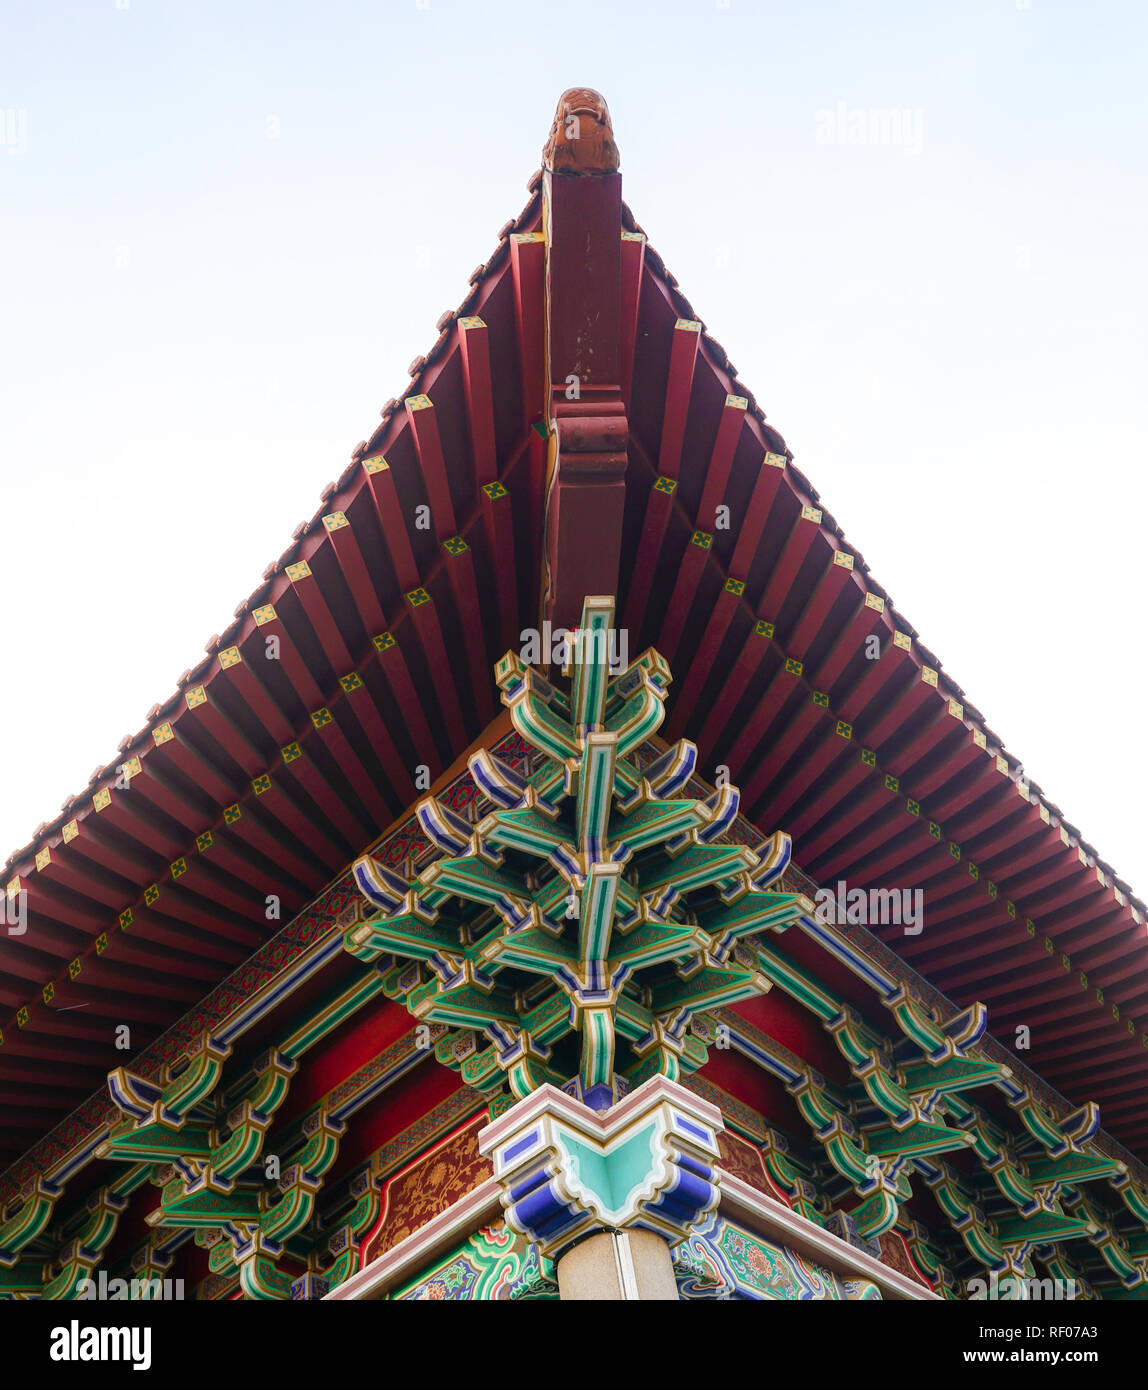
(573, 430)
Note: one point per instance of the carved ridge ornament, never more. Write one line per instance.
(581, 139)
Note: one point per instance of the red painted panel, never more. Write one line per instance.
(740, 1078)
(367, 1033)
(792, 1025)
(393, 1112)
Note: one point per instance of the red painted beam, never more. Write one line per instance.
(1053, 870)
(149, 925)
(585, 491)
(474, 349)
(985, 805)
(172, 902)
(1108, 921)
(360, 706)
(867, 621)
(633, 253)
(36, 966)
(22, 1098)
(945, 729)
(585, 505)
(927, 780)
(103, 849)
(1058, 1000)
(275, 801)
(1117, 1091)
(834, 746)
(381, 483)
(313, 790)
(172, 749)
(583, 281)
(47, 1056)
(425, 619)
(875, 801)
(853, 773)
(225, 853)
(693, 565)
(659, 506)
(498, 521)
(761, 719)
(745, 668)
(805, 530)
(967, 902)
(936, 949)
(237, 675)
(198, 876)
(896, 845)
(267, 837)
(126, 1006)
(684, 349)
(685, 698)
(271, 634)
(333, 739)
(897, 710)
(144, 779)
(69, 871)
(1050, 903)
(765, 489)
(459, 563)
(528, 267)
(306, 589)
(203, 711)
(538, 461)
(432, 465)
(1080, 1030)
(826, 590)
(1033, 970)
(1125, 981)
(116, 809)
(1038, 853)
(407, 705)
(1115, 1078)
(782, 749)
(892, 848)
(1097, 1038)
(721, 461)
(353, 564)
(118, 977)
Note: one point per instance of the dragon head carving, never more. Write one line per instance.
(581, 138)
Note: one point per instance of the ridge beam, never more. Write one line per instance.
(589, 433)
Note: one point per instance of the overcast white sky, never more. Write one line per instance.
(226, 228)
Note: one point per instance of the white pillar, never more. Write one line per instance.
(618, 1266)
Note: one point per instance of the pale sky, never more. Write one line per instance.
(227, 228)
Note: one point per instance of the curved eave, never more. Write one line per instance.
(267, 776)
